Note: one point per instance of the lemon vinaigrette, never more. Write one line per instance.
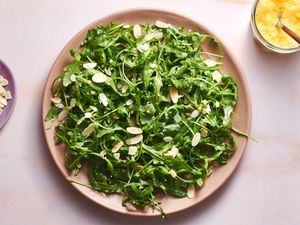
(267, 15)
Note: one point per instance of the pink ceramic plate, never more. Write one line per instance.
(243, 110)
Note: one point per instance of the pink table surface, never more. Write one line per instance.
(263, 190)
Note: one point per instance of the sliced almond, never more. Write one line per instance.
(168, 139)
(143, 47)
(73, 78)
(62, 115)
(3, 101)
(129, 102)
(217, 76)
(56, 100)
(191, 191)
(195, 114)
(158, 35)
(206, 110)
(173, 173)
(196, 139)
(72, 102)
(126, 26)
(2, 90)
(172, 152)
(137, 31)
(132, 150)
(204, 101)
(116, 155)
(161, 24)
(134, 140)
(103, 99)
(89, 129)
(89, 65)
(217, 104)
(93, 108)
(99, 78)
(134, 130)
(124, 88)
(4, 82)
(173, 94)
(148, 37)
(117, 146)
(210, 62)
(102, 154)
(60, 105)
(88, 115)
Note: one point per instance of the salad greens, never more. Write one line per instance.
(145, 110)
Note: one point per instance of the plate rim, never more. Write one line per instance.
(225, 48)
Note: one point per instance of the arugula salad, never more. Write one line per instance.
(146, 110)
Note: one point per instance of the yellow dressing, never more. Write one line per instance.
(266, 18)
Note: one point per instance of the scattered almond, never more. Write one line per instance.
(103, 99)
(88, 115)
(89, 129)
(173, 173)
(102, 154)
(99, 78)
(132, 150)
(62, 115)
(134, 140)
(217, 76)
(89, 65)
(168, 139)
(72, 102)
(117, 146)
(93, 108)
(56, 100)
(172, 152)
(134, 130)
(191, 191)
(161, 24)
(129, 102)
(73, 78)
(195, 114)
(210, 62)
(196, 139)
(173, 92)
(137, 31)
(116, 155)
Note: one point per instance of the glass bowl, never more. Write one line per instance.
(261, 40)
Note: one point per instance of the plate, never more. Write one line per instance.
(243, 111)
(8, 110)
